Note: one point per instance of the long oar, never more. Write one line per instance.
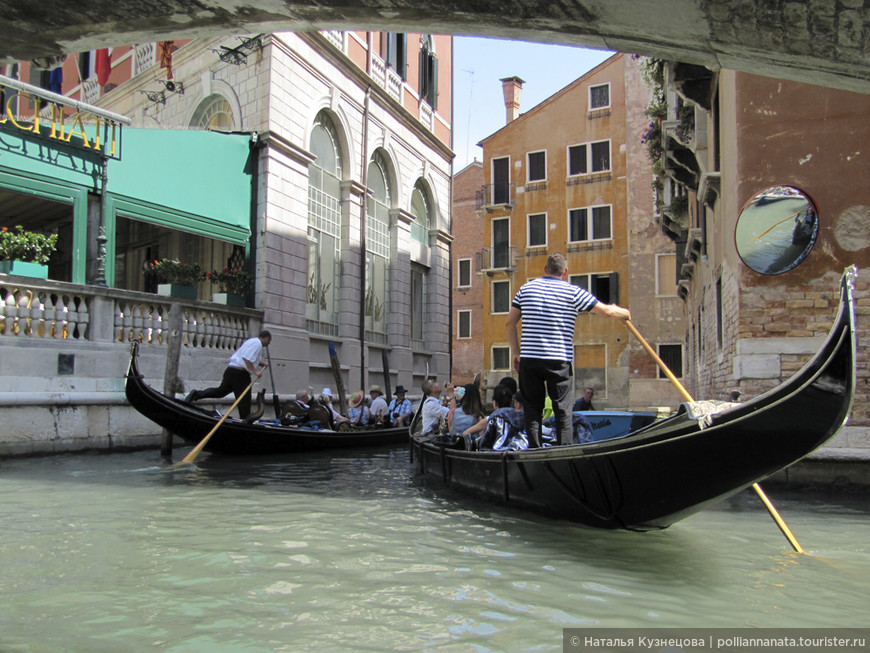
(276, 403)
(777, 224)
(198, 448)
(755, 486)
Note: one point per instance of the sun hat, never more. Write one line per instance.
(376, 388)
(400, 389)
(356, 398)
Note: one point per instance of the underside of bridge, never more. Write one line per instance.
(817, 41)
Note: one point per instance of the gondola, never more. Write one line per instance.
(192, 423)
(657, 475)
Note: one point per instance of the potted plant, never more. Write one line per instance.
(232, 284)
(26, 253)
(177, 278)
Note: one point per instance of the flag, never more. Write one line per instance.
(103, 66)
(55, 80)
(166, 48)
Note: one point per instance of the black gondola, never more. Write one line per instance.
(239, 437)
(673, 468)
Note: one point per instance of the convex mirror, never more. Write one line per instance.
(776, 229)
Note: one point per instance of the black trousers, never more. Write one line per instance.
(538, 379)
(235, 380)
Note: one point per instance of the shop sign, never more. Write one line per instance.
(63, 124)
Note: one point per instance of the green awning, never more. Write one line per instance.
(197, 181)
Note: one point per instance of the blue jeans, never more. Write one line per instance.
(538, 379)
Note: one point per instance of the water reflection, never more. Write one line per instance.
(776, 230)
(325, 552)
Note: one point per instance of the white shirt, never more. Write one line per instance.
(379, 407)
(251, 350)
(432, 412)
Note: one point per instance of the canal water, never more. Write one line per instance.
(347, 552)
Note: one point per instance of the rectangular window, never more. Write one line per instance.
(418, 301)
(463, 324)
(577, 164)
(600, 156)
(605, 287)
(537, 166)
(501, 358)
(601, 223)
(501, 181)
(501, 296)
(666, 274)
(577, 225)
(396, 55)
(501, 243)
(429, 77)
(581, 228)
(538, 230)
(589, 157)
(672, 357)
(599, 97)
(464, 272)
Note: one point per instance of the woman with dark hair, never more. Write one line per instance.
(468, 412)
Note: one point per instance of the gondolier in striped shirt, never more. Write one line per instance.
(548, 308)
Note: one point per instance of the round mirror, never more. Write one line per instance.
(776, 230)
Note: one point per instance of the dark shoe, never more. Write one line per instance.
(192, 396)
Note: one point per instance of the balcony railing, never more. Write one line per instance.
(36, 310)
(493, 195)
(493, 259)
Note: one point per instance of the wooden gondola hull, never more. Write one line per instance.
(673, 468)
(237, 437)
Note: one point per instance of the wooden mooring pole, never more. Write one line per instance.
(170, 374)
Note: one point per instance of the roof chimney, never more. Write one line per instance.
(512, 87)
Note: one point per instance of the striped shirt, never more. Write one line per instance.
(549, 308)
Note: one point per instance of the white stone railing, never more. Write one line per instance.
(91, 90)
(145, 56)
(49, 310)
(379, 71)
(394, 85)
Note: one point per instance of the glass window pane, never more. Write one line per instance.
(601, 156)
(601, 222)
(577, 226)
(501, 243)
(537, 166)
(501, 298)
(577, 160)
(537, 230)
(599, 97)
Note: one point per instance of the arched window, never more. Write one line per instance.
(324, 227)
(377, 244)
(420, 208)
(214, 113)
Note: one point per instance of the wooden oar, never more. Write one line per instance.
(755, 486)
(777, 224)
(198, 448)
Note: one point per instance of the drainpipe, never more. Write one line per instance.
(362, 302)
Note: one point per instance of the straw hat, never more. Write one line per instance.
(356, 398)
(376, 388)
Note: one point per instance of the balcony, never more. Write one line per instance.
(502, 258)
(492, 197)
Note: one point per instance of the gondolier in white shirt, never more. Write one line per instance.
(548, 308)
(245, 361)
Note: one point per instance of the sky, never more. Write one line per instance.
(479, 64)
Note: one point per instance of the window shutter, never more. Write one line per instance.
(614, 288)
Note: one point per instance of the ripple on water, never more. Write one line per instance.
(345, 552)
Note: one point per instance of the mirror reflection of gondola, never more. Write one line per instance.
(776, 230)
